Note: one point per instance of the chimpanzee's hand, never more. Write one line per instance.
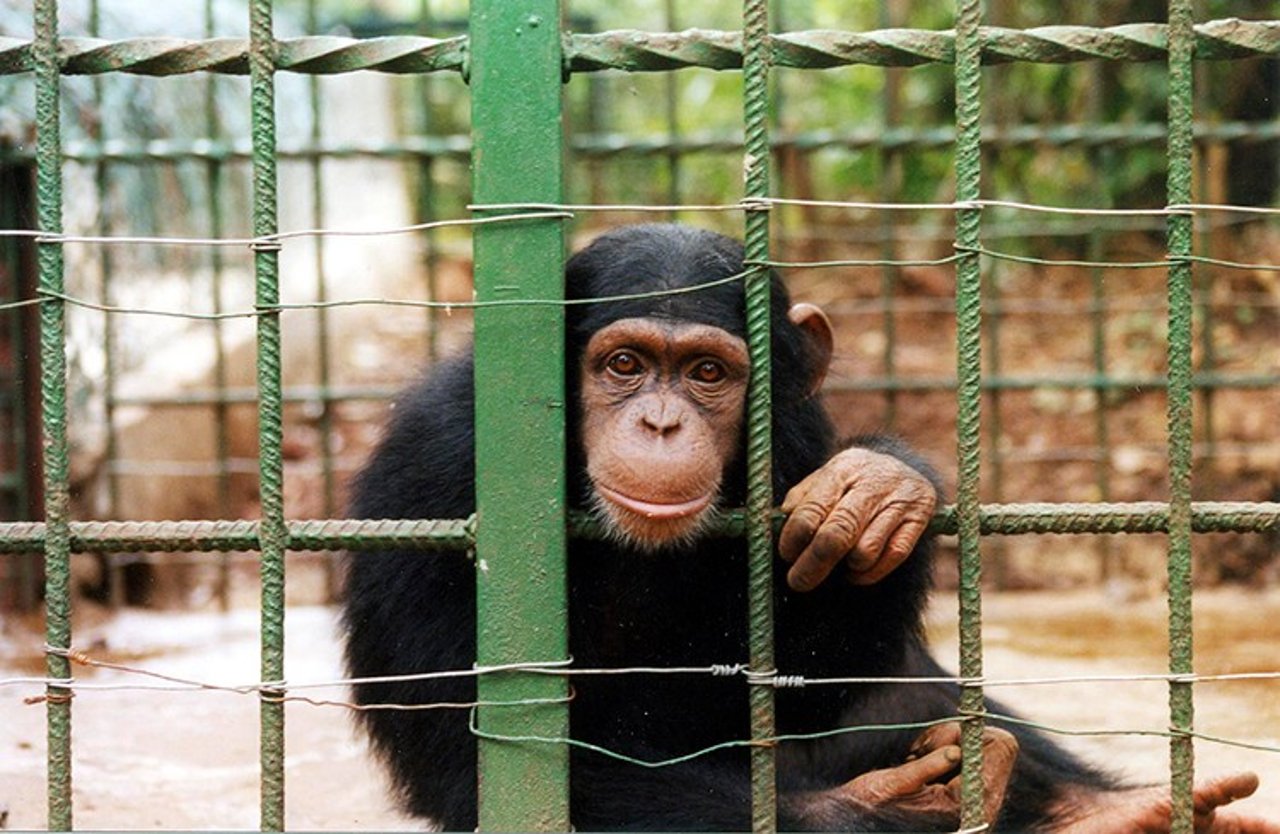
(926, 786)
(1150, 810)
(863, 508)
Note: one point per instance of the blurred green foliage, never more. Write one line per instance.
(857, 129)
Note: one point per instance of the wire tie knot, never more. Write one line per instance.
(50, 698)
(266, 244)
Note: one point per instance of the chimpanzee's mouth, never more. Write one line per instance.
(656, 510)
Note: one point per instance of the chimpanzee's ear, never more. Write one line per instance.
(817, 327)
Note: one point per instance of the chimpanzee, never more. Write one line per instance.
(656, 415)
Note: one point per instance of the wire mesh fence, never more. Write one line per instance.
(516, 213)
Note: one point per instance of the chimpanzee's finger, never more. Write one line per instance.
(1222, 790)
(939, 735)
(999, 753)
(895, 551)
(831, 543)
(807, 505)
(917, 774)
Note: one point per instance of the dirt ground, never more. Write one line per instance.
(188, 760)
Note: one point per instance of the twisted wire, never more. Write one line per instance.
(637, 51)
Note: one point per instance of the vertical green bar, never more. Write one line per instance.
(672, 113)
(115, 564)
(262, 50)
(323, 367)
(755, 71)
(1181, 753)
(213, 203)
(889, 177)
(53, 393)
(515, 75)
(427, 191)
(969, 394)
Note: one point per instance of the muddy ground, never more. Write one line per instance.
(188, 760)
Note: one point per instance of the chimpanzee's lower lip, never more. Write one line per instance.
(653, 509)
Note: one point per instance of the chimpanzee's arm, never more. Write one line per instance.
(412, 612)
(712, 793)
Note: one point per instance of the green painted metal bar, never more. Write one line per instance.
(106, 261)
(53, 398)
(458, 146)
(1181, 707)
(214, 177)
(992, 324)
(968, 81)
(516, 75)
(272, 531)
(1103, 160)
(1083, 381)
(1101, 401)
(427, 191)
(1204, 280)
(324, 371)
(345, 393)
(636, 51)
(889, 182)
(223, 536)
(671, 90)
(760, 555)
(456, 534)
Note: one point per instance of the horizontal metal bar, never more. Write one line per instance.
(1202, 381)
(458, 534)
(373, 393)
(1137, 517)
(655, 52)
(230, 56)
(637, 51)
(245, 396)
(604, 145)
(185, 536)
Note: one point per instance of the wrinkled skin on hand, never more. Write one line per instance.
(863, 509)
(1149, 810)
(927, 785)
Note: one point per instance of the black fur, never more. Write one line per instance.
(407, 612)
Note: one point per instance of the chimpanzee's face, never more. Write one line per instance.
(662, 404)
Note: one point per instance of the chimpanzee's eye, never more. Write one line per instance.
(623, 363)
(708, 370)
